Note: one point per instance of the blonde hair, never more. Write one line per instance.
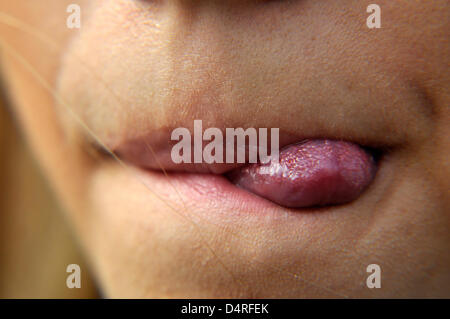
(36, 244)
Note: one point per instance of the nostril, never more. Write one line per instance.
(311, 173)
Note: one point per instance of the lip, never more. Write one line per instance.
(153, 151)
(212, 200)
(213, 190)
(329, 180)
(218, 192)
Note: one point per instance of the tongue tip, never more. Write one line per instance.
(311, 173)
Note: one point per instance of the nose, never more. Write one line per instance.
(185, 13)
(193, 3)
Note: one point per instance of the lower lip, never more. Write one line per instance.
(213, 203)
(207, 193)
(217, 193)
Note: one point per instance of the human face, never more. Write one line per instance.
(136, 70)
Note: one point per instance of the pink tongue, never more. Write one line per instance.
(311, 173)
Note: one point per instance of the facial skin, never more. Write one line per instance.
(311, 68)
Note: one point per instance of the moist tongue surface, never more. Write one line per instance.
(311, 173)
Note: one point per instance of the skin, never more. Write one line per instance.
(311, 68)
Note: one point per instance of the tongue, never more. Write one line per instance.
(311, 173)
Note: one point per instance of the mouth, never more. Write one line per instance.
(307, 174)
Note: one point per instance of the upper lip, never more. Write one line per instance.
(153, 151)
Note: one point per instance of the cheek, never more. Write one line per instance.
(34, 39)
(38, 32)
(110, 67)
